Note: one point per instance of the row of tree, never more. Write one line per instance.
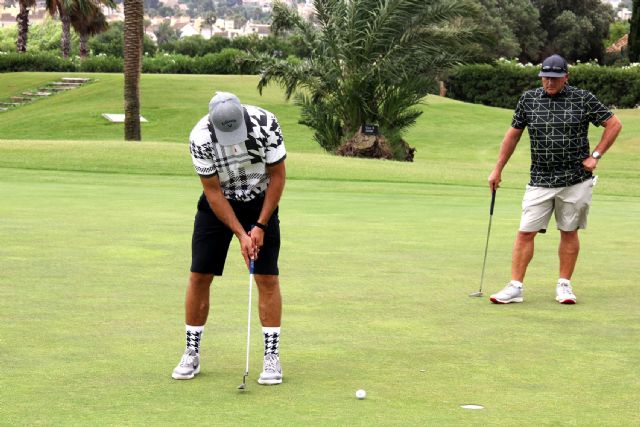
(85, 16)
(530, 30)
(372, 61)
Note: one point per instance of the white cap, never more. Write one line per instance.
(227, 117)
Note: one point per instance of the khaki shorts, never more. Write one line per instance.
(570, 205)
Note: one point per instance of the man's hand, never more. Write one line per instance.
(248, 248)
(589, 164)
(257, 236)
(494, 180)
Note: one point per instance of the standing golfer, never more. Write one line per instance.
(557, 116)
(238, 152)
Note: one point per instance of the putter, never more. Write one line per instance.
(486, 246)
(246, 370)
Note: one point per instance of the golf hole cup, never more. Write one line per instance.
(361, 394)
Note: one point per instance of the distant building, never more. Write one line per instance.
(261, 30)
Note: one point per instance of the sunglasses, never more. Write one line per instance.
(554, 69)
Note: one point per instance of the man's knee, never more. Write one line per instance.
(526, 235)
(200, 280)
(268, 285)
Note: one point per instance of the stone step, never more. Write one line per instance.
(3, 109)
(75, 79)
(21, 99)
(58, 88)
(36, 93)
(10, 104)
(64, 84)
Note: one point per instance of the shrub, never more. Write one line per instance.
(102, 64)
(169, 64)
(502, 83)
(14, 61)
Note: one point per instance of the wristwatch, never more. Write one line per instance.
(596, 155)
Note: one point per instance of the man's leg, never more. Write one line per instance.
(197, 299)
(196, 312)
(270, 307)
(568, 253)
(269, 300)
(522, 254)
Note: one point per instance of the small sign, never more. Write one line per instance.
(369, 129)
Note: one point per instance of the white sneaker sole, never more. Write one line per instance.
(505, 301)
(176, 376)
(270, 382)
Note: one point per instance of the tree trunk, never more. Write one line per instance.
(634, 33)
(23, 28)
(133, 33)
(84, 38)
(66, 34)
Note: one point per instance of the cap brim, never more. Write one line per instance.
(234, 137)
(551, 74)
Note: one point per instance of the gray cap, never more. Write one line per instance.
(554, 66)
(227, 117)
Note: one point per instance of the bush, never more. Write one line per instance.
(169, 64)
(229, 61)
(502, 83)
(14, 61)
(102, 64)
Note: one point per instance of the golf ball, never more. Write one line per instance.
(361, 394)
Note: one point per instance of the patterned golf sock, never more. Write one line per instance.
(194, 334)
(271, 340)
(517, 283)
(561, 281)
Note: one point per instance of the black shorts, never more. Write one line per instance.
(211, 238)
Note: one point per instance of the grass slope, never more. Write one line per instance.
(377, 261)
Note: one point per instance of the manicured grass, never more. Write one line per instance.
(377, 261)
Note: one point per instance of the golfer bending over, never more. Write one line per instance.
(239, 153)
(557, 116)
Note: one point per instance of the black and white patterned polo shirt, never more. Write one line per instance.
(558, 130)
(241, 168)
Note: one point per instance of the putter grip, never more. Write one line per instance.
(493, 201)
(251, 266)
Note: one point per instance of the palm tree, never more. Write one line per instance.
(634, 33)
(61, 8)
(133, 33)
(88, 20)
(371, 62)
(23, 24)
(210, 19)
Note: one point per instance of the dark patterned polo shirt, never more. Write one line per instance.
(558, 129)
(242, 167)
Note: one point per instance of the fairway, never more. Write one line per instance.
(377, 261)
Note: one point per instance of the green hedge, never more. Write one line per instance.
(228, 61)
(14, 61)
(501, 84)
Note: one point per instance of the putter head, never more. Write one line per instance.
(244, 382)
(476, 294)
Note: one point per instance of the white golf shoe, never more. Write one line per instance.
(510, 293)
(188, 367)
(272, 372)
(564, 293)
